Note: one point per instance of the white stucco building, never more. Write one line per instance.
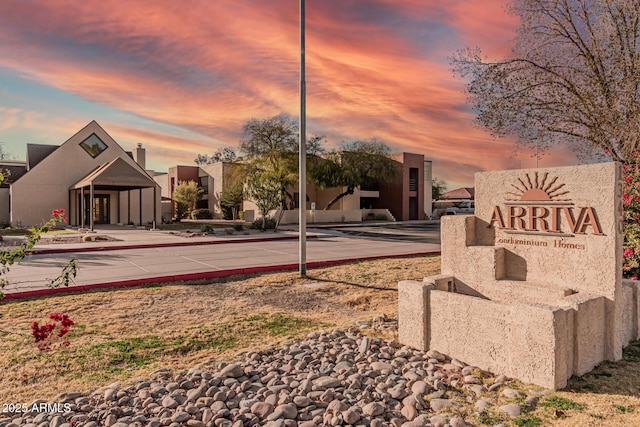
(90, 176)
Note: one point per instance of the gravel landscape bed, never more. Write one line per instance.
(330, 378)
(77, 239)
(176, 340)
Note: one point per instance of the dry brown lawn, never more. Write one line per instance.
(123, 335)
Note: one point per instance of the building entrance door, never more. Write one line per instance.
(413, 208)
(101, 206)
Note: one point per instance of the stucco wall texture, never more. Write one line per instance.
(47, 185)
(534, 279)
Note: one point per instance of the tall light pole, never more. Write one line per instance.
(302, 192)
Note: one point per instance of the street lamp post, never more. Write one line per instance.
(302, 197)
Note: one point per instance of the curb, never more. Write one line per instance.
(160, 245)
(200, 276)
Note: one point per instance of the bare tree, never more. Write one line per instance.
(573, 77)
(269, 139)
(222, 155)
(274, 137)
(438, 188)
(270, 147)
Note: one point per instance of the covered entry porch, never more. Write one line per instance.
(114, 193)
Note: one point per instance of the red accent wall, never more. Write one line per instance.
(396, 197)
(181, 173)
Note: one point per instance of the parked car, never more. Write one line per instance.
(462, 208)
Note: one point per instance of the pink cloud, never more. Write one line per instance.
(209, 66)
(484, 24)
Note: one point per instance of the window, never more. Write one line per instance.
(413, 179)
(204, 183)
(93, 145)
(370, 186)
(296, 200)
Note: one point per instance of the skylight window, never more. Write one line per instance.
(93, 145)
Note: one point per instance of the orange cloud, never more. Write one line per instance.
(206, 67)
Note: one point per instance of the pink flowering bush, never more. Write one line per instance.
(631, 204)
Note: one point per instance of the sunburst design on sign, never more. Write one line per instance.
(538, 189)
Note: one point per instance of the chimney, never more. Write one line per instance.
(140, 157)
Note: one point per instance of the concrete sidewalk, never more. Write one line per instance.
(154, 257)
(140, 238)
(157, 241)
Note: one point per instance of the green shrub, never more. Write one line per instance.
(201, 214)
(269, 224)
(381, 217)
(528, 420)
(186, 196)
(238, 227)
(207, 228)
(227, 212)
(562, 403)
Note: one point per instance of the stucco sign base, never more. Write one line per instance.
(536, 343)
(531, 286)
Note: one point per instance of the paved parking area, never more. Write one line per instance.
(147, 264)
(413, 231)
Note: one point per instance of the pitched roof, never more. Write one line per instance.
(460, 193)
(116, 173)
(15, 170)
(37, 153)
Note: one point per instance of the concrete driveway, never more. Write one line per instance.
(407, 231)
(116, 266)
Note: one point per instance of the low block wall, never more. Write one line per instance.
(333, 216)
(291, 217)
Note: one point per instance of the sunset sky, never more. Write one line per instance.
(181, 77)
